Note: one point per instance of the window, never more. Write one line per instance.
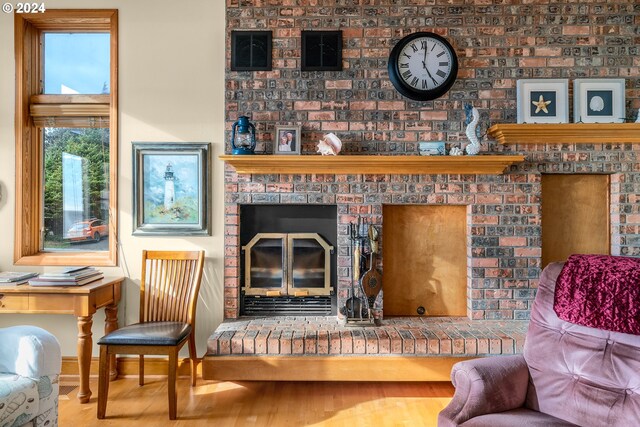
(76, 187)
(76, 63)
(66, 137)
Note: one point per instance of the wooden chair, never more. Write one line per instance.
(168, 295)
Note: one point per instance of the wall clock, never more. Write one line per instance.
(251, 50)
(321, 51)
(423, 66)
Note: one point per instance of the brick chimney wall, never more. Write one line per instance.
(496, 44)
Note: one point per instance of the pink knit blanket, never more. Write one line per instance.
(600, 291)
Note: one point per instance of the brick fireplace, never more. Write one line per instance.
(503, 239)
(502, 216)
(503, 220)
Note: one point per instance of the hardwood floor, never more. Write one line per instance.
(256, 404)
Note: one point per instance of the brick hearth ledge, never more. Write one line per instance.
(398, 336)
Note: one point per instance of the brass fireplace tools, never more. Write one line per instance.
(365, 285)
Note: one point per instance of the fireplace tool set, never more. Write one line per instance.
(366, 282)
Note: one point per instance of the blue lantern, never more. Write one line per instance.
(243, 136)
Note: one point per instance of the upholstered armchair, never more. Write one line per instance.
(567, 375)
(30, 363)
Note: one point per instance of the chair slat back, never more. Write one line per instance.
(170, 285)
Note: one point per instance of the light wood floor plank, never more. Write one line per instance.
(262, 404)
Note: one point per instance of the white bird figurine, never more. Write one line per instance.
(330, 145)
(473, 117)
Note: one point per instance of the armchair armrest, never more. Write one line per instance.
(29, 351)
(484, 386)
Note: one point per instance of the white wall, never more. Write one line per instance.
(171, 82)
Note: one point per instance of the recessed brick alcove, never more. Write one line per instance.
(425, 253)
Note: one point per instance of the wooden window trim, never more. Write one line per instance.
(29, 148)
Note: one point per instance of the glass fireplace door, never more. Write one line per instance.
(265, 265)
(308, 264)
(287, 264)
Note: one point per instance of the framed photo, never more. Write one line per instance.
(432, 148)
(171, 189)
(543, 100)
(598, 101)
(287, 140)
(321, 51)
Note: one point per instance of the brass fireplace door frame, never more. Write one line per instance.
(287, 285)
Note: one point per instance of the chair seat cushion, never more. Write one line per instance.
(19, 400)
(148, 333)
(520, 417)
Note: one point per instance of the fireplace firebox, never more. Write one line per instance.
(288, 260)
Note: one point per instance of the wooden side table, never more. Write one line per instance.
(82, 302)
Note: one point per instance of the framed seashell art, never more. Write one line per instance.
(598, 101)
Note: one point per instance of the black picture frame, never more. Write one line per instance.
(251, 50)
(321, 51)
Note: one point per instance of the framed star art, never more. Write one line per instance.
(543, 101)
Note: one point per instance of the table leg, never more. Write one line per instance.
(85, 347)
(110, 325)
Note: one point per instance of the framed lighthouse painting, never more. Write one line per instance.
(171, 189)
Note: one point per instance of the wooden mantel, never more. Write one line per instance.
(566, 133)
(357, 164)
